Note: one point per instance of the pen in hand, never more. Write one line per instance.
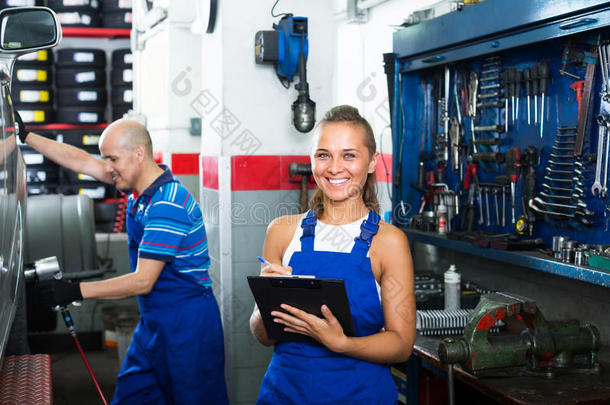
(263, 261)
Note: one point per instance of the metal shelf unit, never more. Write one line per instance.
(530, 259)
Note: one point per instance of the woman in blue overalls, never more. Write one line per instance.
(376, 267)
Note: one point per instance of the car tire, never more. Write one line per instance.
(80, 78)
(122, 58)
(81, 115)
(17, 343)
(32, 95)
(70, 5)
(116, 5)
(121, 77)
(81, 97)
(120, 19)
(32, 75)
(43, 57)
(79, 18)
(85, 57)
(35, 114)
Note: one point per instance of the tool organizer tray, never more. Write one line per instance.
(565, 37)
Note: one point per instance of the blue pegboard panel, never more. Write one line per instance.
(414, 116)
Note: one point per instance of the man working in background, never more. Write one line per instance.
(176, 355)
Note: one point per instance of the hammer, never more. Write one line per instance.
(303, 170)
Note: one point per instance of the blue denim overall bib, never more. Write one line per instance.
(176, 355)
(309, 373)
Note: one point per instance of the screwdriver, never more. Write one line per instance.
(518, 79)
(544, 76)
(513, 158)
(512, 73)
(535, 77)
(527, 78)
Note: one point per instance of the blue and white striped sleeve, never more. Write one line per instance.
(167, 226)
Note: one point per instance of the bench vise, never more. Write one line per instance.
(529, 344)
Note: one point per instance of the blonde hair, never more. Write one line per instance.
(350, 115)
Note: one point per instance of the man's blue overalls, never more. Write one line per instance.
(309, 373)
(176, 355)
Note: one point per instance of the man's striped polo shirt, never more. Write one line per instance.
(173, 229)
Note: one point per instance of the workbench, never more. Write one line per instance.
(564, 389)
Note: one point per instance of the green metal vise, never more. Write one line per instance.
(528, 345)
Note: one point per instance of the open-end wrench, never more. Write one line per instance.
(596, 188)
(605, 163)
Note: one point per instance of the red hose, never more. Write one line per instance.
(82, 355)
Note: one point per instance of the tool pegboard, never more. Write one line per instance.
(463, 136)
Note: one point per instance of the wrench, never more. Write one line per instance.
(605, 168)
(597, 187)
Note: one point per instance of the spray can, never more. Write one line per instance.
(442, 219)
(452, 288)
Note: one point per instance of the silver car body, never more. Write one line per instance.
(13, 192)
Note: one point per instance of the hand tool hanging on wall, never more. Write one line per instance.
(304, 171)
(527, 79)
(445, 114)
(513, 162)
(535, 78)
(471, 183)
(591, 59)
(473, 85)
(504, 182)
(544, 78)
(518, 80)
(602, 158)
(529, 162)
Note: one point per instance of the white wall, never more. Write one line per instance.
(359, 77)
(251, 94)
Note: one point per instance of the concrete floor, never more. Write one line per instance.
(71, 382)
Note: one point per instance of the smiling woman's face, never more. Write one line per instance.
(341, 161)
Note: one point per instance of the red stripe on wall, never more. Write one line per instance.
(185, 163)
(382, 175)
(270, 172)
(209, 172)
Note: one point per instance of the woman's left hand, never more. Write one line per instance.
(327, 330)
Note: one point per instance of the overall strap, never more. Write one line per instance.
(368, 229)
(309, 230)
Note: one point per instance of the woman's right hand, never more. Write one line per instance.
(273, 270)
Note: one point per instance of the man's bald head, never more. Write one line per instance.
(130, 134)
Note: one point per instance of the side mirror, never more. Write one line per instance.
(27, 29)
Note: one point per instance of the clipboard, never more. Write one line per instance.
(307, 294)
